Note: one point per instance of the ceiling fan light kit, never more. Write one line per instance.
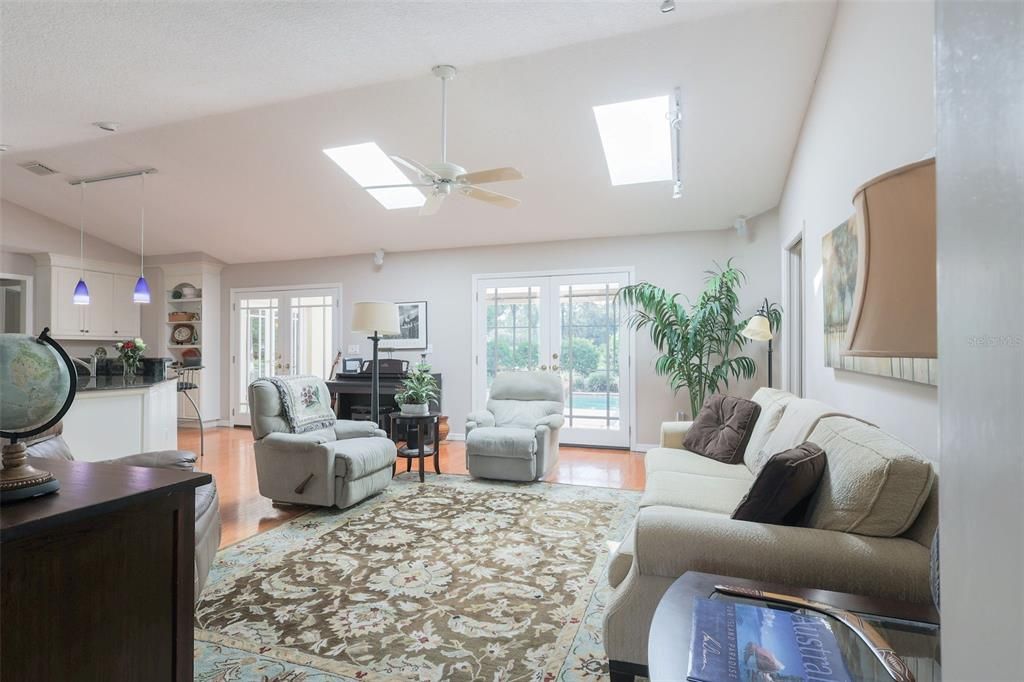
(443, 179)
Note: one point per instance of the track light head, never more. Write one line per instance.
(668, 6)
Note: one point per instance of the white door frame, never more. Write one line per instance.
(794, 329)
(237, 292)
(28, 303)
(629, 338)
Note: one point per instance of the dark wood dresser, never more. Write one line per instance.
(96, 580)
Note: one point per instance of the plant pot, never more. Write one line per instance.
(415, 410)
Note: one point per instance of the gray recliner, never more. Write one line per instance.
(337, 466)
(516, 437)
(51, 445)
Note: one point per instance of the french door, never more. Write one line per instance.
(569, 324)
(277, 332)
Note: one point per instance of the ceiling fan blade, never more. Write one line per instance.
(491, 175)
(416, 166)
(418, 184)
(481, 194)
(433, 204)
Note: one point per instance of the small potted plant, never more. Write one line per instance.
(418, 389)
(131, 355)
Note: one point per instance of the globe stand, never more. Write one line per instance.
(19, 480)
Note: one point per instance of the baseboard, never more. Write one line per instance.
(644, 447)
(456, 436)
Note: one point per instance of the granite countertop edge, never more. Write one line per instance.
(118, 383)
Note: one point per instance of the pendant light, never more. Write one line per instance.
(141, 294)
(81, 295)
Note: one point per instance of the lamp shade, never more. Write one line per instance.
(81, 295)
(895, 310)
(375, 316)
(141, 293)
(758, 329)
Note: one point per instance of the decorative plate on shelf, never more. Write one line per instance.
(182, 333)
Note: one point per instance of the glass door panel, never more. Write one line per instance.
(565, 324)
(283, 332)
(511, 329)
(592, 362)
(259, 355)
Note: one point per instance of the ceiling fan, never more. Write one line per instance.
(444, 178)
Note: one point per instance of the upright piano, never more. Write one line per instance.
(352, 390)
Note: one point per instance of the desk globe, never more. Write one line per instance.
(37, 386)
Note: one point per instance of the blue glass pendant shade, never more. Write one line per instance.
(81, 295)
(141, 294)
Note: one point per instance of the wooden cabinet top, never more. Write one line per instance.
(89, 489)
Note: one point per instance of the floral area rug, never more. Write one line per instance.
(453, 579)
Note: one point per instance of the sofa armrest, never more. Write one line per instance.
(347, 428)
(552, 421)
(672, 540)
(160, 459)
(673, 433)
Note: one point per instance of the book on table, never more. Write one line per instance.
(748, 643)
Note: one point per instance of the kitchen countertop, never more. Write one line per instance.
(118, 383)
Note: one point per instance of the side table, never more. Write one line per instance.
(912, 629)
(422, 423)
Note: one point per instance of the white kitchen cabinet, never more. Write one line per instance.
(66, 318)
(110, 313)
(127, 314)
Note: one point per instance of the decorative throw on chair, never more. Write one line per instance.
(306, 402)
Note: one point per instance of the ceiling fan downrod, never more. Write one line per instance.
(445, 72)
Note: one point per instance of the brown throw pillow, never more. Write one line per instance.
(722, 428)
(782, 488)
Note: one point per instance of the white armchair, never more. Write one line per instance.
(516, 437)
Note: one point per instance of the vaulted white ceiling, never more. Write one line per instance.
(219, 98)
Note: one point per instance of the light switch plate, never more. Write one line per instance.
(353, 349)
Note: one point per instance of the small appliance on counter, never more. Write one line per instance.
(155, 368)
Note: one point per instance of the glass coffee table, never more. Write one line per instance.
(912, 630)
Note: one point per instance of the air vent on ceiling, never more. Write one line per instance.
(37, 168)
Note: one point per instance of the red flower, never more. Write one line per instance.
(128, 345)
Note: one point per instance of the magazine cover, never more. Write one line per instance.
(759, 644)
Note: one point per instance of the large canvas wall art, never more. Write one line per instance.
(839, 279)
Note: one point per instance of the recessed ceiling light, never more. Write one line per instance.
(109, 126)
(4, 147)
(637, 140)
(369, 166)
(668, 6)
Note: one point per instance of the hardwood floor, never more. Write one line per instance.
(244, 512)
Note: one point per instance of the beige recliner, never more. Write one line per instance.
(337, 466)
(516, 437)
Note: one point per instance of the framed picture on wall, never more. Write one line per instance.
(412, 321)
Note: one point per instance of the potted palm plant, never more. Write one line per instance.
(418, 389)
(700, 343)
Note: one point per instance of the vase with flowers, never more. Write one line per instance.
(130, 352)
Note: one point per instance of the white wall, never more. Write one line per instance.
(443, 278)
(873, 109)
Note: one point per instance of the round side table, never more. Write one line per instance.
(422, 423)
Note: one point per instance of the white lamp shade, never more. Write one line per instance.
(375, 316)
(758, 329)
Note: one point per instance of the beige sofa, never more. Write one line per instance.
(869, 526)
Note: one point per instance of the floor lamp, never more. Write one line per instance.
(379, 319)
(759, 328)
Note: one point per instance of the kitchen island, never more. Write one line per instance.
(113, 416)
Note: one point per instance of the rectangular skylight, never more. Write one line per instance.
(369, 165)
(637, 140)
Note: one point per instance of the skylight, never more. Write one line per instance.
(369, 166)
(637, 140)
